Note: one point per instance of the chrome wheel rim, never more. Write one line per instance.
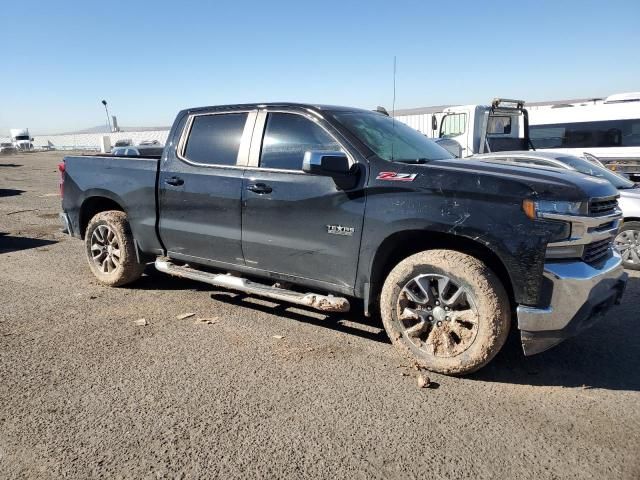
(105, 249)
(628, 244)
(437, 316)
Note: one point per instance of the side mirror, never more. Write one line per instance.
(434, 122)
(327, 163)
(450, 145)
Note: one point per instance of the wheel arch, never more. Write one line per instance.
(389, 255)
(93, 205)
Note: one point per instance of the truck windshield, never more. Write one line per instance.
(22, 137)
(390, 139)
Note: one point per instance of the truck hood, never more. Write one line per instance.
(503, 178)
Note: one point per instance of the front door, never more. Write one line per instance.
(295, 223)
(454, 127)
(200, 184)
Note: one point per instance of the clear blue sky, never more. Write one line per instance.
(151, 58)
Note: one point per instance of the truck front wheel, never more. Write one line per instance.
(111, 250)
(446, 310)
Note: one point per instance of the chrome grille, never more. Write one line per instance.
(602, 207)
(596, 251)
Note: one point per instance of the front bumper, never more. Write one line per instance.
(580, 295)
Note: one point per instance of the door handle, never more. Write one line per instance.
(175, 181)
(259, 188)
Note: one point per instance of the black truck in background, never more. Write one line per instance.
(318, 205)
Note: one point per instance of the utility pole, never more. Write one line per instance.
(104, 102)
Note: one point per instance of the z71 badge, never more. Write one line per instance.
(397, 177)
(340, 230)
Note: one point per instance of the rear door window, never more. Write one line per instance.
(215, 139)
(288, 136)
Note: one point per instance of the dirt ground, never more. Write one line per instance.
(259, 389)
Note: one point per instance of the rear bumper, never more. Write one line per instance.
(581, 294)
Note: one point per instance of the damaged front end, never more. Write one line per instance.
(583, 277)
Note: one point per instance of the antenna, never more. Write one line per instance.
(393, 106)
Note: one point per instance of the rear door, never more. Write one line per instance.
(200, 184)
(295, 223)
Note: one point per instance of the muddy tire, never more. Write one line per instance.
(446, 310)
(110, 249)
(628, 244)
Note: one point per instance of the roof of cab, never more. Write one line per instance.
(307, 106)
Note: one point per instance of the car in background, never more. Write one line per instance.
(124, 142)
(8, 149)
(138, 151)
(628, 239)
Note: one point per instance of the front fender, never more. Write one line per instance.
(501, 228)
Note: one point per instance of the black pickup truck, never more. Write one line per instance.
(321, 205)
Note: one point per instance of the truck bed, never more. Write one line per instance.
(129, 181)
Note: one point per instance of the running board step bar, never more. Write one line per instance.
(326, 303)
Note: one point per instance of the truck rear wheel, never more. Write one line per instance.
(446, 310)
(111, 250)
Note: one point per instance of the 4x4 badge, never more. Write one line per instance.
(340, 230)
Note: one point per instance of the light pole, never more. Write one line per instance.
(104, 102)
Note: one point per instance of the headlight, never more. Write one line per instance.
(558, 212)
(537, 208)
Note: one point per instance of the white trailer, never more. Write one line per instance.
(608, 129)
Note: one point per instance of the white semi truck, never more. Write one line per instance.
(21, 139)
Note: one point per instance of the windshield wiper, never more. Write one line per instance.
(417, 161)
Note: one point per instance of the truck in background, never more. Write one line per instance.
(467, 130)
(21, 139)
(607, 129)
